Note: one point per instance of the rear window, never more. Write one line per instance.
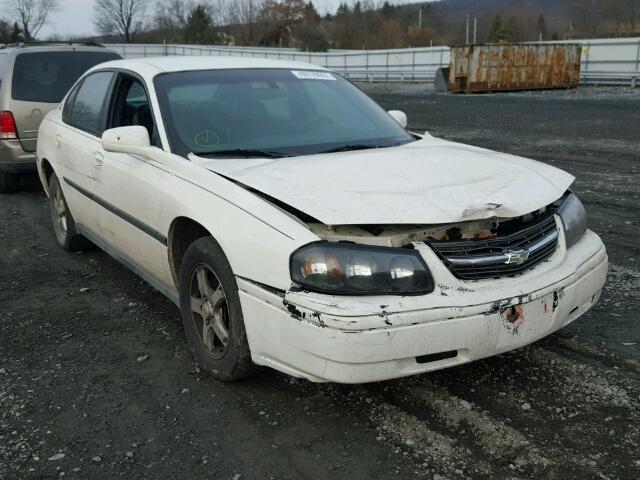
(47, 76)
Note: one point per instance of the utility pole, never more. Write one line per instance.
(475, 30)
(467, 40)
(250, 21)
(420, 19)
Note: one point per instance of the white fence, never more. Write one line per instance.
(604, 61)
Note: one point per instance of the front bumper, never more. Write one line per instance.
(366, 339)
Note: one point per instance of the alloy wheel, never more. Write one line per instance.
(59, 213)
(209, 311)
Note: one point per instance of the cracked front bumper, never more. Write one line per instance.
(366, 339)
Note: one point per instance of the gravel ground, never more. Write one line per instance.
(96, 380)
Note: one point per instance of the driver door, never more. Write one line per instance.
(130, 187)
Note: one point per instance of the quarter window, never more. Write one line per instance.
(86, 111)
(68, 104)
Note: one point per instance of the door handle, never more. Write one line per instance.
(58, 141)
(98, 159)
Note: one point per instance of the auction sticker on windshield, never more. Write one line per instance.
(315, 75)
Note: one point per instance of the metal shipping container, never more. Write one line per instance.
(493, 68)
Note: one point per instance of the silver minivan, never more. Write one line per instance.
(34, 78)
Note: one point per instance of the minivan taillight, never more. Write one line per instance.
(8, 128)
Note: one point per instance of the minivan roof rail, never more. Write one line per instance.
(39, 44)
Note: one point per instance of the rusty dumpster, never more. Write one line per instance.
(496, 68)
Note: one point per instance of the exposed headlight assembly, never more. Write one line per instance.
(349, 269)
(574, 219)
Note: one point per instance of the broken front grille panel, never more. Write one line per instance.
(501, 256)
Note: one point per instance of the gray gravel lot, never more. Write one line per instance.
(96, 381)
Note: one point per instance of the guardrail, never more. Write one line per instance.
(372, 76)
(604, 61)
(613, 62)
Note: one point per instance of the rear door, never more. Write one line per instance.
(78, 139)
(40, 80)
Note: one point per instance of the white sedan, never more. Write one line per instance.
(299, 226)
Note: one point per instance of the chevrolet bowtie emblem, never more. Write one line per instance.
(516, 257)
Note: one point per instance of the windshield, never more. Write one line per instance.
(250, 112)
(47, 76)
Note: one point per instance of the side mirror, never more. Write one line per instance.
(399, 117)
(133, 140)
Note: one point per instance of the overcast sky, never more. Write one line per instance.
(76, 16)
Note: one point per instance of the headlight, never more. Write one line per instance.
(574, 218)
(348, 269)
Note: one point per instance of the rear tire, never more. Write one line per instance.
(9, 182)
(212, 313)
(64, 226)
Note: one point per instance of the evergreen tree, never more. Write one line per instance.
(199, 26)
(313, 39)
(497, 33)
(512, 31)
(387, 9)
(311, 14)
(343, 9)
(16, 33)
(541, 27)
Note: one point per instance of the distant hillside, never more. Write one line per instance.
(548, 7)
(531, 19)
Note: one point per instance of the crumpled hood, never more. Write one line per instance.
(429, 181)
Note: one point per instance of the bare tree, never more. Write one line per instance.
(173, 14)
(120, 17)
(242, 16)
(32, 15)
(624, 12)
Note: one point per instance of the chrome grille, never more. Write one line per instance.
(501, 256)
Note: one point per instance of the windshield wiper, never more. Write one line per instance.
(242, 152)
(348, 148)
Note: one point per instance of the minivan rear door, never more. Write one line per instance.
(40, 81)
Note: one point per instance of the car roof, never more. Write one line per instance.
(53, 47)
(152, 66)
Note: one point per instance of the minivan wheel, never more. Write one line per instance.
(212, 314)
(64, 226)
(9, 182)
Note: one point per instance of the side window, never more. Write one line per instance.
(132, 107)
(86, 112)
(68, 104)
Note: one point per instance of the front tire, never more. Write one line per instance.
(9, 182)
(64, 226)
(212, 313)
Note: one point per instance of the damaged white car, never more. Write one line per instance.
(299, 226)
